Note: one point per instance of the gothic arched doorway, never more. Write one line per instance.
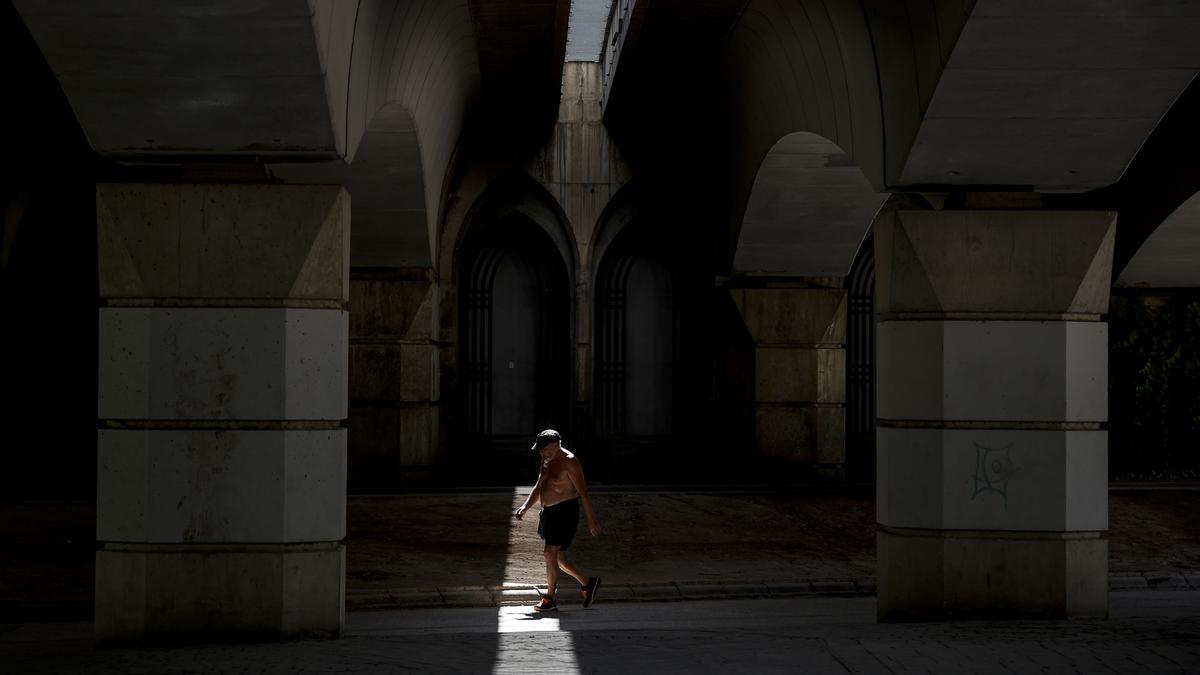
(648, 372)
(515, 333)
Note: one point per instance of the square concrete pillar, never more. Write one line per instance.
(992, 481)
(222, 402)
(799, 374)
(395, 378)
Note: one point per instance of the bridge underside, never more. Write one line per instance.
(381, 244)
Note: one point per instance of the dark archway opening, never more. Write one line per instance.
(515, 340)
(652, 360)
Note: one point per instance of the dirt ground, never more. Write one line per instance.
(421, 541)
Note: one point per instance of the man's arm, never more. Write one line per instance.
(534, 495)
(575, 473)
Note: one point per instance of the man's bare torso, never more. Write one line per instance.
(556, 483)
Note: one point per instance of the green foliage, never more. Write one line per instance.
(1154, 386)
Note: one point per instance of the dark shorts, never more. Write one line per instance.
(558, 523)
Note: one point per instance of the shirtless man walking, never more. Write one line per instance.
(561, 488)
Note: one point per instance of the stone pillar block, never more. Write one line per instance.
(940, 574)
(992, 457)
(799, 373)
(155, 592)
(222, 402)
(395, 377)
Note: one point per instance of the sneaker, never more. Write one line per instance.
(546, 604)
(589, 592)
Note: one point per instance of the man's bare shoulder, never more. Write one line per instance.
(568, 455)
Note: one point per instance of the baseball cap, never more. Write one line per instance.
(545, 438)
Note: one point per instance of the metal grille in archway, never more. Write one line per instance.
(860, 367)
(515, 339)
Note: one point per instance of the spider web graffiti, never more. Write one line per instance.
(993, 469)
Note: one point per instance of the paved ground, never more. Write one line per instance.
(412, 550)
(420, 549)
(1149, 632)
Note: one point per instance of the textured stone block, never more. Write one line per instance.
(1021, 371)
(222, 363)
(396, 308)
(937, 575)
(999, 479)
(375, 373)
(418, 435)
(165, 591)
(232, 241)
(793, 315)
(418, 372)
(796, 375)
(1003, 261)
(800, 433)
(255, 486)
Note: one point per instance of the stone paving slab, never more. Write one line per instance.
(1149, 632)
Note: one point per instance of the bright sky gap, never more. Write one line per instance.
(585, 32)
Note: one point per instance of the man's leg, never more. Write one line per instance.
(571, 569)
(550, 554)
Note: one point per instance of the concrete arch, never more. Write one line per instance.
(520, 194)
(808, 211)
(417, 56)
(1170, 256)
(387, 184)
(624, 208)
(859, 74)
(854, 74)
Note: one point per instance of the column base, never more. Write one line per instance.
(187, 592)
(941, 574)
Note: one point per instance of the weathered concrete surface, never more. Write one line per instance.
(162, 592)
(1028, 88)
(221, 490)
(225, 78)
(395, 374)
(252, 486)
(799, 373)
(793, 315)
(992, 460)
(175, 363)
(983, 479)
(998, 262)
(220, 241)
(933, 574)
(993, 370)
(580, 165)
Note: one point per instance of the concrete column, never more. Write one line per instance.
(394, 376)
(992, 458)
(221, 500)
(799, 374)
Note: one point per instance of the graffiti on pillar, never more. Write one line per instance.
(993, 469)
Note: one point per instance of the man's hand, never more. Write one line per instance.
(520, 511)
(594, 528)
